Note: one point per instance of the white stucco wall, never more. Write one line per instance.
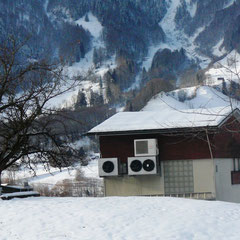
(203, 179)
(224, 189)
(134, 185)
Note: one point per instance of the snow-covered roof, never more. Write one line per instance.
(160, 120)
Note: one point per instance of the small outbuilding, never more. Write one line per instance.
(190, 153)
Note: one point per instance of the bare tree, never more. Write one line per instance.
(30, 130)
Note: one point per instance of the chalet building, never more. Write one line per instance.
(192, 153)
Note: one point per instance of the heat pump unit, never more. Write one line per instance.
(108, 167)
(145, 147)
(143, 165)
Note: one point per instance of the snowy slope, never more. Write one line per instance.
(218, 50)
(95, 28)
(163, 101)
(92, 25)
(86, 66)
(196, 97)
(118, 218)
(176, 39)
(227, 68)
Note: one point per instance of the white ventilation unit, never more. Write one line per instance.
(145, 147)
(108, 167)
(143, 165)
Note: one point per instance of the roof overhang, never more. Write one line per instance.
(157, 131)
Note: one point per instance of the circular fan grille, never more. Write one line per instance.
(108, 167)
(148, 165)
(136, 166)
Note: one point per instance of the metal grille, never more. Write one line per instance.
(141, 147)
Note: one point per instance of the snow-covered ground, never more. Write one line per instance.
(118, 218)
(53, 175)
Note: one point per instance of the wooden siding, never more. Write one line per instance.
(170, 147)
(224, 144)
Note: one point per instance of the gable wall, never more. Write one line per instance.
(226, 143)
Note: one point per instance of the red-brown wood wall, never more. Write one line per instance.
(227, 141)
(224, 144)
(170, 147)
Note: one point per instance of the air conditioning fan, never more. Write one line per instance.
(143, 165)
(108, 167)
(145, 147)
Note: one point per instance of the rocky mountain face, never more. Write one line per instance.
(140, 41)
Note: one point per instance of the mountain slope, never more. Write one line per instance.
(125, 44)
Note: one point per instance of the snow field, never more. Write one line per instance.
(118, 218)
(54, 175)
(93, 25)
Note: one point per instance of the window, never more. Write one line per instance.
(235, 174)
(235, 177)
(236, 164)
